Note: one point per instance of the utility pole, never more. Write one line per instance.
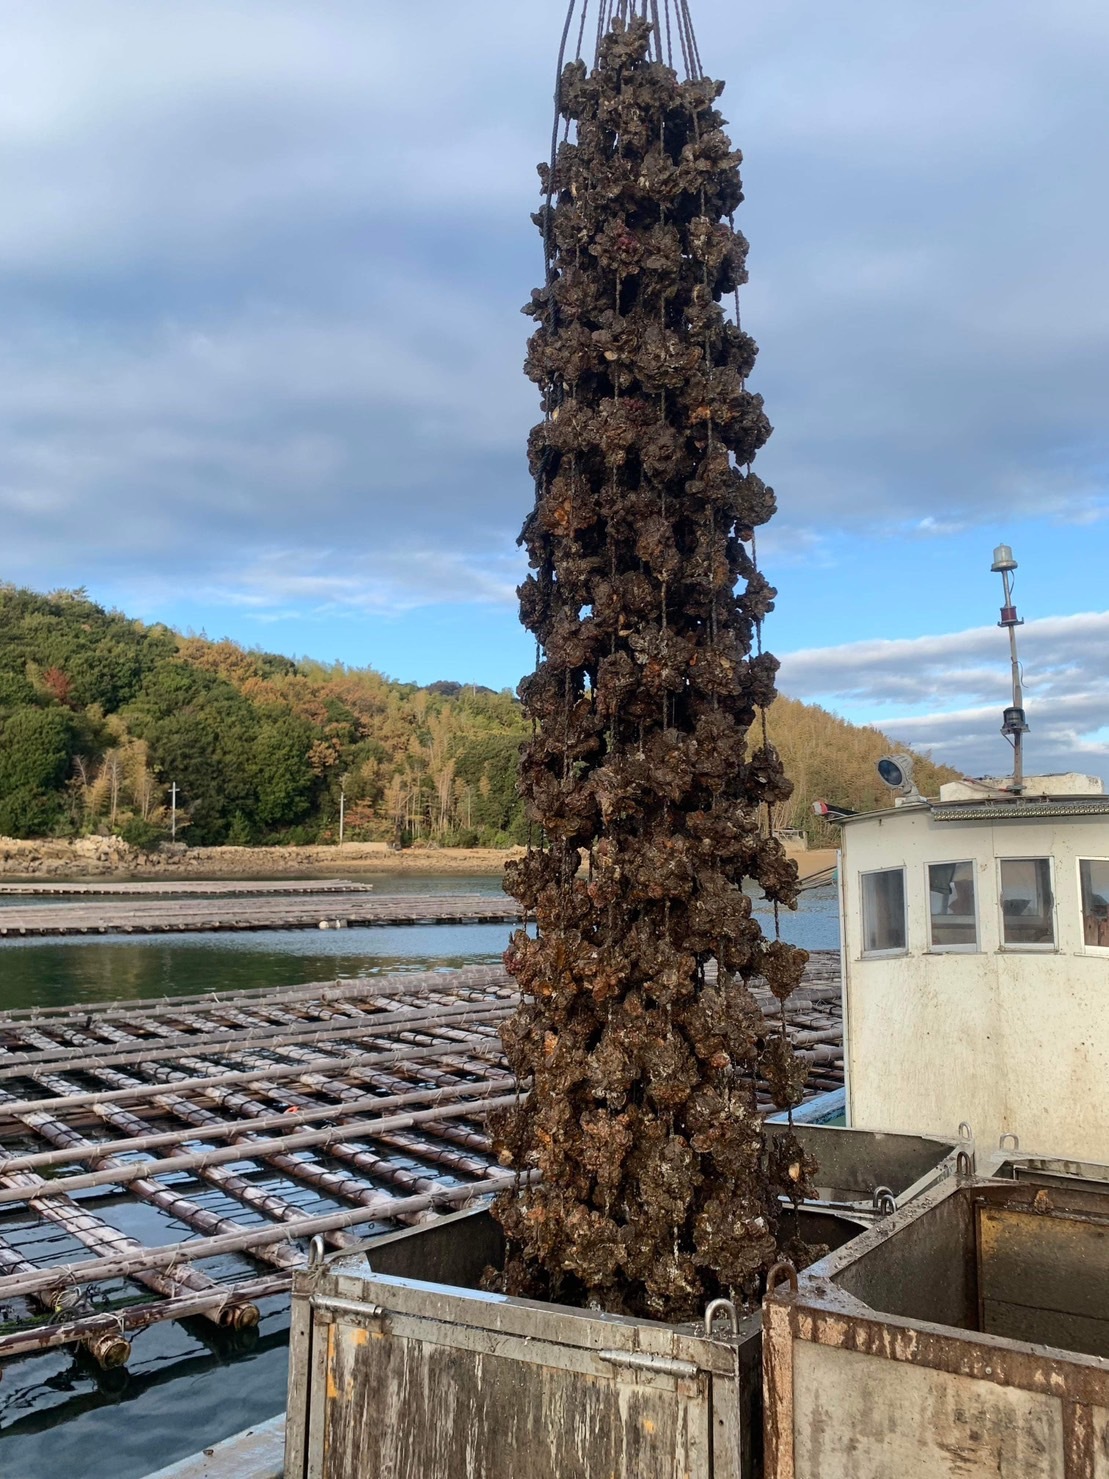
(173, 812)
(342, 807)
(1013, 724)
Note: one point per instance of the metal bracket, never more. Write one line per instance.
(721, 1307)
(885, 1203)
(782, 1273)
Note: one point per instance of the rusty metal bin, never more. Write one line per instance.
(966, 1335)
(401, 1369)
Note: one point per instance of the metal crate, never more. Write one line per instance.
(965, 1336)
(426, 1377)
(870, 1173)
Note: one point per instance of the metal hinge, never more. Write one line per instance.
(644, 1361)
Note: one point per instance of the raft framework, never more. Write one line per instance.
(250, 1122)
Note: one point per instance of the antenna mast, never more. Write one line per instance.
(1013, 725)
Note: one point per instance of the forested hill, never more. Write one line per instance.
(98, 714)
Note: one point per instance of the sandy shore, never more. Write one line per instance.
(108, 857)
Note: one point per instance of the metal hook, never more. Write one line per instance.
(964, 1165)
(316, 1251)
(783, 1271)
(1009, 1136)
(721, 1307)
(885, 1203)
(964, 1131)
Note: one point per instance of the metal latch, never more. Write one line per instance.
(330, 1309)
(644, 1361)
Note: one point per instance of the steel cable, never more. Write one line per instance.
(664, 17)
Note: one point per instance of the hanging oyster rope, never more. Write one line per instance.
(658, 1190)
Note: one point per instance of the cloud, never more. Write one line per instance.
(323, 582)
(945, 693)
(261, 264)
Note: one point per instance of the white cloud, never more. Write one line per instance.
(945, 693)
(320, 582)
(260, 266)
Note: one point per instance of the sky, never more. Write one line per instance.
(261, 266)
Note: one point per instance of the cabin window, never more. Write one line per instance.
(1027, 903)
(952, 914)
(1093, 878)
(884, 911)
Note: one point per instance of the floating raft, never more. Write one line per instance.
(215, 888)
(319, 909)
(171, 1159)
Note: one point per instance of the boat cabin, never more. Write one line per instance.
(976, 965)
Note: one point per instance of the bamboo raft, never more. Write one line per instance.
(171, 1159)
(172, 888)
(321, 909)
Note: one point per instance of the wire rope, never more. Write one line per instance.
(667, 19)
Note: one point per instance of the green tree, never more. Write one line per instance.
(27, 812)
(35, 749)
(283, 777)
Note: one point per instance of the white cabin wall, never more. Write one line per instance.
(1011, 1041)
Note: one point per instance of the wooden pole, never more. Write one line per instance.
(217, 1129)
(368, 1161)
(48, 1193)
(405, 1140)
(16, 1064)
(323, 1179)
(133, 1317)
(108, 1347)
(245, 913)
(125, 1172)
(320, 1178)
(265, 1202)
(203, 1083)
(246, 1240)
(108, 1241)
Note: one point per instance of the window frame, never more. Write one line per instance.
(1084, 949)
(932, 947)
(1029, 947)
(864, 953)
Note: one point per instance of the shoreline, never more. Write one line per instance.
(109, 857)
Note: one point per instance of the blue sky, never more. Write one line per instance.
(261, 267)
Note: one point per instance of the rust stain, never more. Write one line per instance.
(333, 1394)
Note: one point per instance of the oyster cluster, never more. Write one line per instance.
(656, 1189)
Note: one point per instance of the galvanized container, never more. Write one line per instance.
(966, 1335)
(870, 1173)
(429, 1378)
(1015, 1165)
